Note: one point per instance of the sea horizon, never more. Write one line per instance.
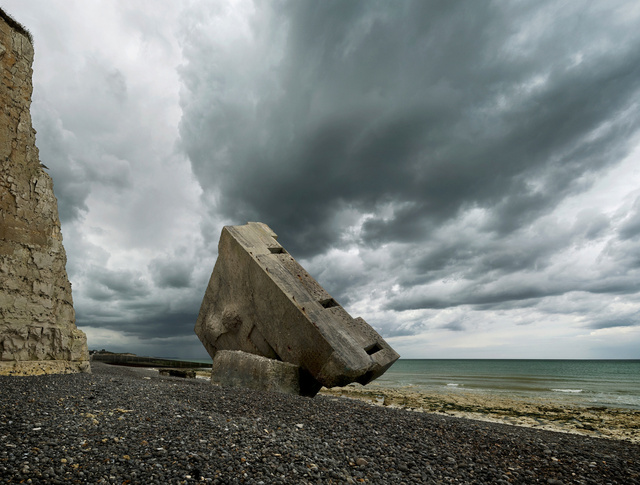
(587, 382)
(431, 358)
(611, 383)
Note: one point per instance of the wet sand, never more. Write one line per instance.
(601, 422)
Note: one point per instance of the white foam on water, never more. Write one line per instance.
(452, 385)
(573, 391)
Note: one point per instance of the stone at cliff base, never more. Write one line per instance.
(38, 334)
(261, 301)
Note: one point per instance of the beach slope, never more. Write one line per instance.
(123, 425)
(593, 421)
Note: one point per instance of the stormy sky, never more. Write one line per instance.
(463, 175)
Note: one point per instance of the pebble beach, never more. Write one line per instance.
(123, 425)
(593, 421)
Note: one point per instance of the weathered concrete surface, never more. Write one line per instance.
(234, 368)
(261, 301)
(37, 321)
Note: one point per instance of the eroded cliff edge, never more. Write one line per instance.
(37, 320)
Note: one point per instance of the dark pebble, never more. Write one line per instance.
(113, 426)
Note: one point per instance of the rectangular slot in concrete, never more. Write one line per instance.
(372, 349)
(276, 250)
(328, 303)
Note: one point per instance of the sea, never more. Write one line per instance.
(600, 383)
(604, 383)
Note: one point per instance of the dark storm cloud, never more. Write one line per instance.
(171, 273)
(631, 320)
(81, 142)
(126, 301)
(456, 173)
(160, 325)
(482, 258)
(480, 297)
(631, 227)
(71, 186)
(436, 107)
(107, 285)
(455, 327)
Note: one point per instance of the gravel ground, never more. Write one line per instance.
(552, 415)
(123, 425)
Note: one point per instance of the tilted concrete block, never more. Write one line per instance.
(261, 301)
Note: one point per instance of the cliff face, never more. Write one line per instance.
(37, 321)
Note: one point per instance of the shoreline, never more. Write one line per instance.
(545, 414)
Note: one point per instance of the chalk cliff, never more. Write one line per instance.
(37, 320)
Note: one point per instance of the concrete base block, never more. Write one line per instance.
(234, 368)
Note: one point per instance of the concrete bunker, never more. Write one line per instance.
(261, 303)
